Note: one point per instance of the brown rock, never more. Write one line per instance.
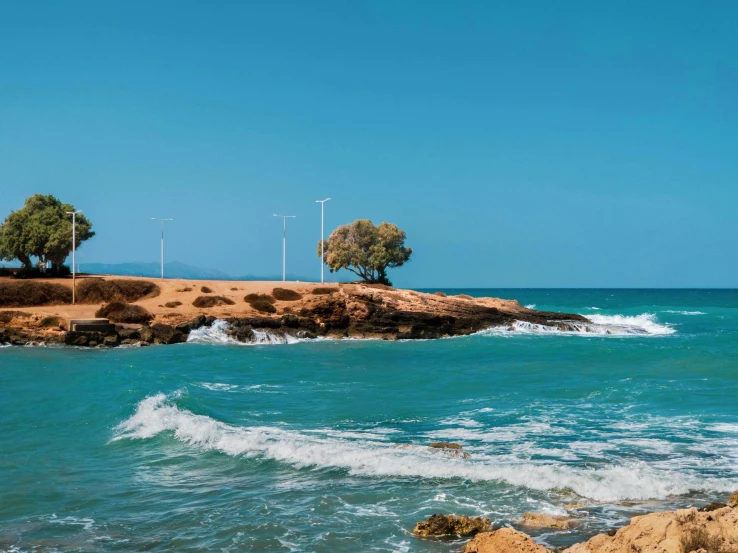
(542, 520)
(450, 525)
(445, 445)
(504, 540)
(450, 448)
(733, 501)
(682, 531)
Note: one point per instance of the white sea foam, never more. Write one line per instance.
(217, 334)
(686, 312)
(601, 325)
(629, 480)
(531, 306)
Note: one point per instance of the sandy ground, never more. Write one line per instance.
(186, 291)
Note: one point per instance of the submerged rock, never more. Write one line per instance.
(542, 520)
(451, 525)
(450, 448)
(504, 540)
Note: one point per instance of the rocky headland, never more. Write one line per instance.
(145, 312)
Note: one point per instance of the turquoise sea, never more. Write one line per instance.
(322, 446)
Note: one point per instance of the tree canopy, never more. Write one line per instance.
(42, 229)
(366, 250)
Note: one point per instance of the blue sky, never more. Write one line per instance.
(519, 144)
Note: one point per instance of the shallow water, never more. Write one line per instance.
(322, 446)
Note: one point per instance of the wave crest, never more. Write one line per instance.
(364, 456)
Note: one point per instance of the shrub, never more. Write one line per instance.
(29, 294)
(261, 302)
(206, 290)
(699, 538)
(323, 290)
(283, 294)
(185, 289)
(120, 312)
(259, 297)
(464, 297)
(97, 290)
(172, 304)
(439, 294)
(263, 306)
(212, 301)
(47, 322)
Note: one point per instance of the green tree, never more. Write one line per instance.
(42, 229)
(366, 250)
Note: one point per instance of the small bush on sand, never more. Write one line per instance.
(28, 294)
(323, 290)
(261, 302)
(439, 294)
(283, 294)
(263, 306)
(48, 322)
(97, 290)
(699, 539)
(185, 289)
(212, 301)
(259, 297)
(120, 312)
(172, 304)
(464, 297)
(206, 290)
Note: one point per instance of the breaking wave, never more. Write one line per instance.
(601, 325)
(367, 456)
(217, 334)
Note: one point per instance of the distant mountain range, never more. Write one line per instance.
(175, 269)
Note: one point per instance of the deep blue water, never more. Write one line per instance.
(322, 446)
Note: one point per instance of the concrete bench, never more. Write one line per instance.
(91, 325)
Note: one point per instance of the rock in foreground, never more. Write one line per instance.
(682, 531)
(450, 525)
(504, 540)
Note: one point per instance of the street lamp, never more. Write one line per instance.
(74, 248)
(322, 233)
(284, 244)
(162, 241)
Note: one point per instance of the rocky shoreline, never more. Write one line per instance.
(710, 529)
(345, 311)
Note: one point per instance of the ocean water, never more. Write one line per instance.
(322, 446)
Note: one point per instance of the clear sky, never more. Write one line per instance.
(519, 144)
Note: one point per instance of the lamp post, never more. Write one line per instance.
(162, 241)
(74, 251)
(284, 244)
(322, 234)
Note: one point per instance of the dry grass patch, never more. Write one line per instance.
(7, 316)
(172, 304)
(212, 301)
(121, 312)
(283, 294)
(29, 294)
(97, 290)
(186, 289)
(699, 539)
